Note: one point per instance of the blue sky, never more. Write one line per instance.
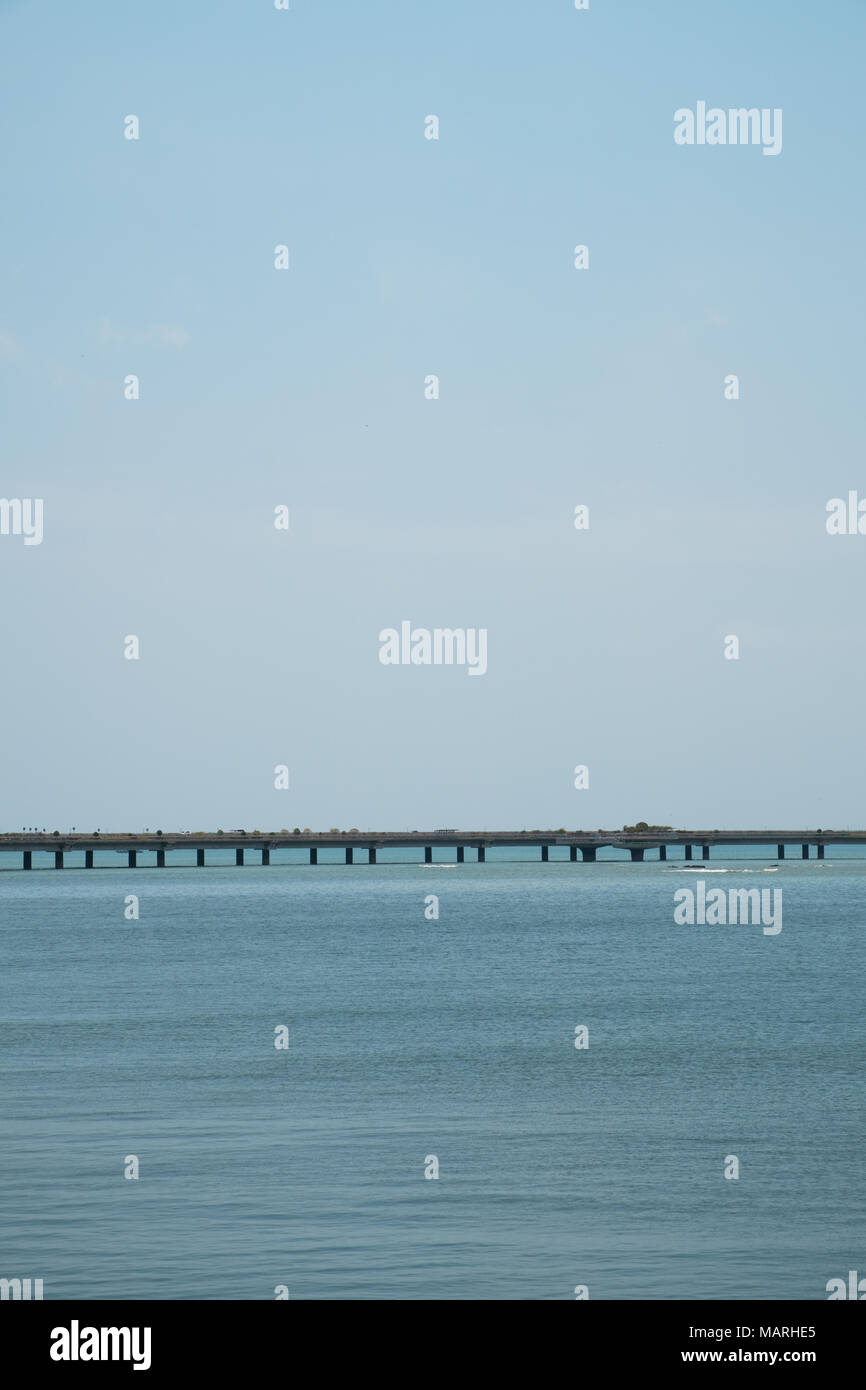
(305, 387)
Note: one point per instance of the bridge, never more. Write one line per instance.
(696, 844)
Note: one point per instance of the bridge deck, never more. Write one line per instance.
(380, 839)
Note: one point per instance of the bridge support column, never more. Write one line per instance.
(805, 851)
(131, 858)
(688, 851)
(572, 853)
(88, 859)
(588, 852)
(58, 859)
(239, 857)
(199, 858)
(428, 854)
(637, 856)
(266, 855)
(314, 854)
(371, 855)
(350, 857)
(780, 851)
(160, 858)
(482, 854)
(705, 851)
(663, 851)
(459, 854)
(820, 851)
(28, 859)
(544, 854)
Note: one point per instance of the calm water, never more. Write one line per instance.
(411, 1038)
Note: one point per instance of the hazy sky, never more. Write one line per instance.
(305, 387)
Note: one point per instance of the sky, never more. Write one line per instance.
(410, 257)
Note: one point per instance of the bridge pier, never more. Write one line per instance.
(88, 859)
(28, 859)
(705, 851)
(588, 852)
(780, 851)
(371, 855)
(544, 854)
(131, 858)
(314, 854)
(663, 851)
(160, 858)
(266, 855)
(199, 858)
(350, 857)
(572, 853)
(239, 858)
(58, 859)
(459, 854)
(428, 854)
(482, 854)
(805, 851)
(688, 851)
(637, 856)
(820, 851)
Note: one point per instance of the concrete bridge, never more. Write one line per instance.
(696, 844)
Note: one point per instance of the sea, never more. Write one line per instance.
(510, 1080)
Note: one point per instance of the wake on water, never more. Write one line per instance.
(698, 869)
